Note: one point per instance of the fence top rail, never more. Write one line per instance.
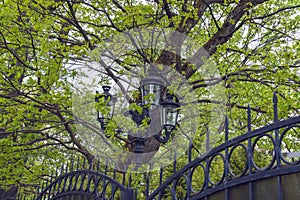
(235, 141)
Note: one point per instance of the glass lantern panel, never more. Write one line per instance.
(151, 94)
(169, 116)
(106, 111)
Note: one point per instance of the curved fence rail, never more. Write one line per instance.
(269, 152)
(85, 184)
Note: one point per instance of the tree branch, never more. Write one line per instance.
(223, 34)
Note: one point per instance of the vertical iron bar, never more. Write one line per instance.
(207, 145)
(91, 160)
(61, 169)
(175, 163)
(66, 170)
(249, 153)
(277, 142)
(249, 118)
(147, 184)
(83, 164)
(206, 180)
(43, 185)
(160, 175)
(114, 177)
(77, 164)
(277, 145)
(72, 164)
(226, 167)
(226, 128)
(130, 179)
(106, 164)
(188, 192)
(56, 172)
(275, 107)
(115, 172)
(174, 171)
(124, 178)
(161, 171)
(190, 151)
(98, 164)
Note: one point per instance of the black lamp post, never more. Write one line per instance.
(152, 92)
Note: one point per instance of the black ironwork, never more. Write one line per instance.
(86, 183)
(221, 172)
(9, 194)
(152, 96)
(237, 164)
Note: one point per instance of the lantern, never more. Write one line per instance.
(104, 113)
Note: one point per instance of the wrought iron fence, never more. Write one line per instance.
(258, 154)
(86, 184)
(269, 152)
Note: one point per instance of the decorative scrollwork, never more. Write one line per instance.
(85, 183)
(263, 152)
(238, 161)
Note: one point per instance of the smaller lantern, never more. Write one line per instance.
(104, 113)
(170, 110)
(169, 116)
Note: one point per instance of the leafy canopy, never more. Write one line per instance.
(252, 44)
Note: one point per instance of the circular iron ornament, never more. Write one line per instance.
(221, 179)
(183, 179)
(245, 165)
(122, 62)
(200, 165)
(166, 195)
(82, 183)
(283, 153)
(273, 154)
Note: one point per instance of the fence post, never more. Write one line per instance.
(226, 161)
(249, 154)
(277, 145)
(128, 194)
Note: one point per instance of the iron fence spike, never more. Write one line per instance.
(83, 164)
(98, 164)
(77, 164)
(67, 166)
(72, 164)
(275, 107)
(226, 128)
(249, 117)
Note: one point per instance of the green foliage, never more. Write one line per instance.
(44, 44)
